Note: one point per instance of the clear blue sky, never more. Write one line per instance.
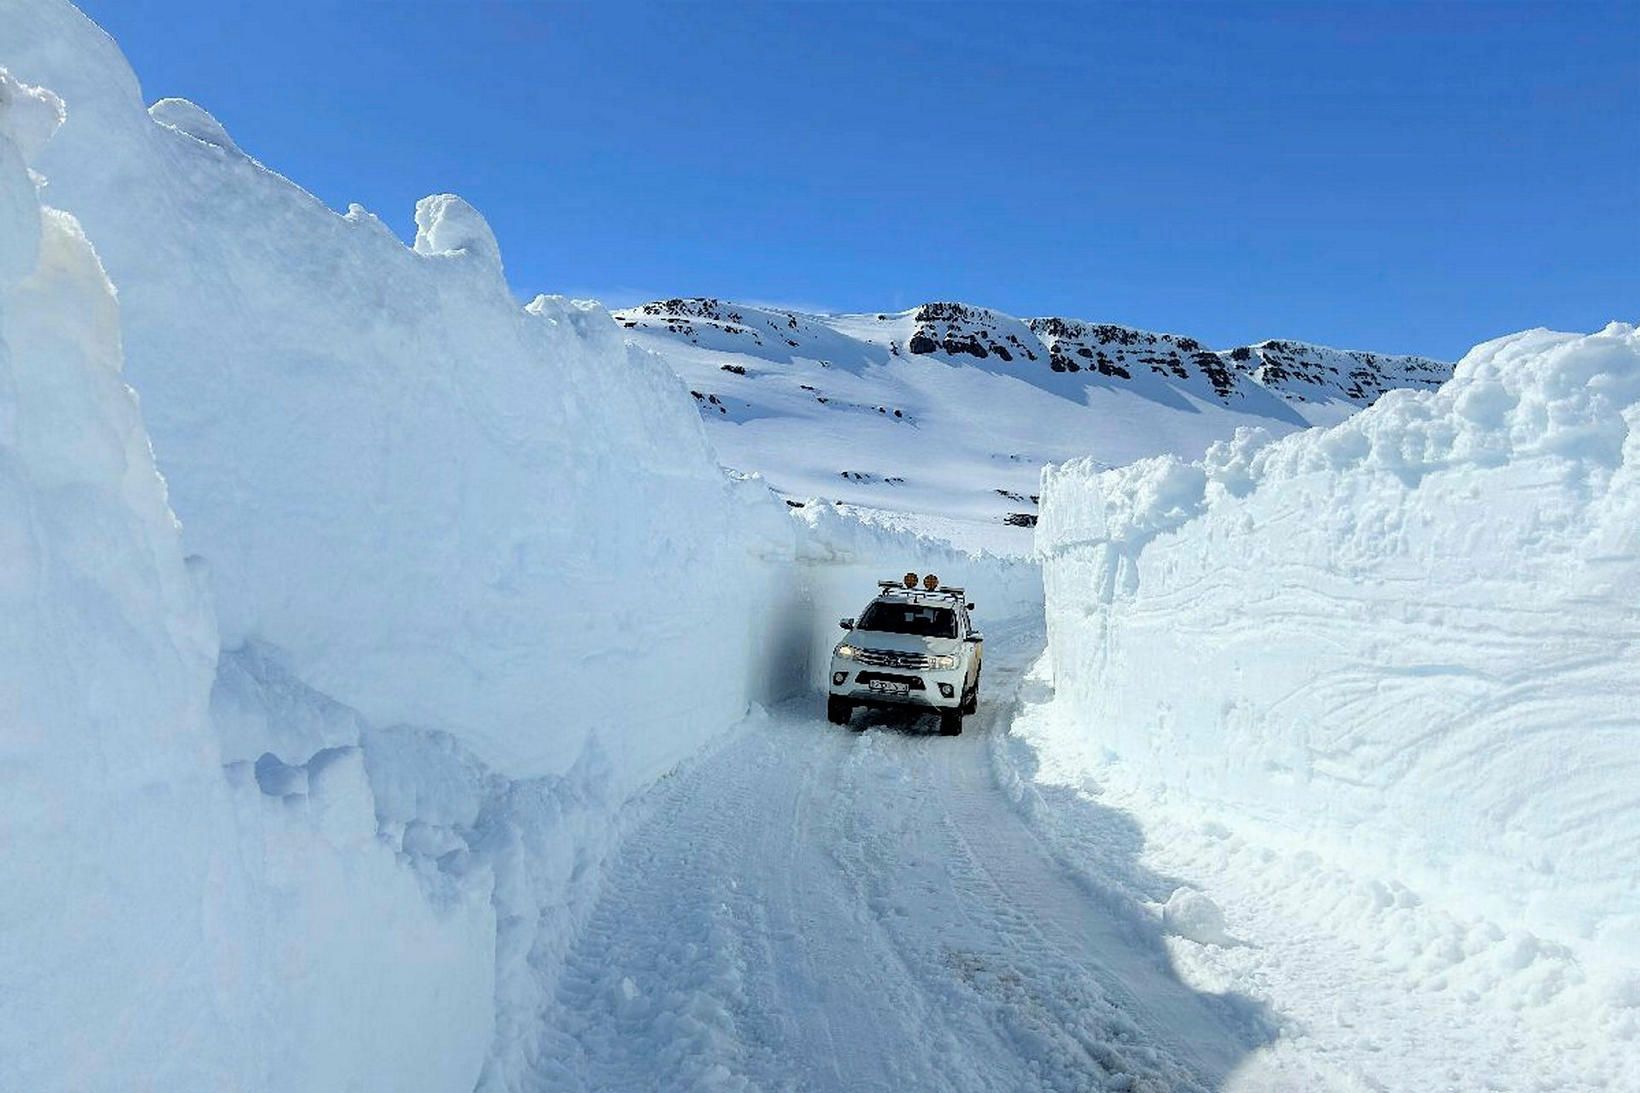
(1397, 177)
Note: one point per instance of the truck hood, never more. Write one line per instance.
(902, 643)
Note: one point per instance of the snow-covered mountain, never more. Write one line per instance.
(949, 410)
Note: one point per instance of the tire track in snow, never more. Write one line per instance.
(812, 908)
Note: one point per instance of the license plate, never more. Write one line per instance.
(883, 686)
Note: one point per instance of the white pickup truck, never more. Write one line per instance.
(914, 645)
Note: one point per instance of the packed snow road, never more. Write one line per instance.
(826, 908)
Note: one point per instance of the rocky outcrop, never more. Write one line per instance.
(1051, 350)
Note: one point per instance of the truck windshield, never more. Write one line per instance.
(887, 617)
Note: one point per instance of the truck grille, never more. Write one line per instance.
(887, 658)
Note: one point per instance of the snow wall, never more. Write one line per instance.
(440, 508)
(310, 791)
(113, 807)
(1411, 639)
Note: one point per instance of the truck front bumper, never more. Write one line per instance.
(866, 686)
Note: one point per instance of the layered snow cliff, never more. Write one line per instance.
(1410, 639)
(114, 807)
(437, 545)
(432, 502)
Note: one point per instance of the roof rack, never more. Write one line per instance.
(942, 590)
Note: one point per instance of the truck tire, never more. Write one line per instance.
(838, 711)
(951, 722)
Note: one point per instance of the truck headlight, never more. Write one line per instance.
(942, 662)
(846, 651)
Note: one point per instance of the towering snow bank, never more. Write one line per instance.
(165, 926)
(435, 506)
(1411, 638)
(463, 554)
(117, 865)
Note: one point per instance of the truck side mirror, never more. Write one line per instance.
(970, 607)
(846, 624)
(975, 638)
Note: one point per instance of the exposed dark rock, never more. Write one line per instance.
(970, 345)
(1292, 370)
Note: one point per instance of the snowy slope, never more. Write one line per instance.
(1407, 644)
(948, 410)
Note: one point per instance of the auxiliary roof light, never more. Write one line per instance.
(931, 582)
(910, 580)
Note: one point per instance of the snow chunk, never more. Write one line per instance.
(28, 118)
(194, 120)
(1193, 916)
(28, 115)
(445, 224)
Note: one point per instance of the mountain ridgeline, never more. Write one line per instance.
(1105, 353)
(949, 412)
